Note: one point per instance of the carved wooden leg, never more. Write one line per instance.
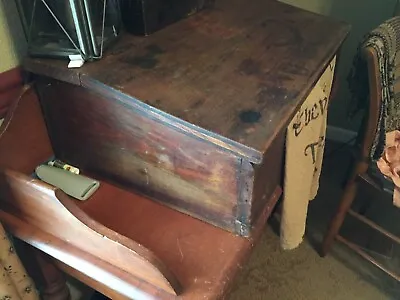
(48, 278)
(54, 283)
(344, 206)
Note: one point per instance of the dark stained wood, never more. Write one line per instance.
(10, 79)
(10, 85)
(116, 141)
(214, 292)
(267, 176)
(95, 271)
(363, 155)
(360, 172)
(375, 226)
(107, 138)
(203, 258)
(234, 74)
(53, 212)
(98, 286)
(55, 284)
(194, 114)
(49, 280)
(24, 142)
(364, 254)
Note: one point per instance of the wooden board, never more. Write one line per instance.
(53, 212)
(205, 259)
(119, 142)
(234, 75)
(267, 176)
(10, 85)
(24, 142)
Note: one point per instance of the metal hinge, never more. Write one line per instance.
(242, 229)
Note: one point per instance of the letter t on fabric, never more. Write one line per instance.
(305, 141)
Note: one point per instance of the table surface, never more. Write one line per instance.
(236, 72)
(204, 258)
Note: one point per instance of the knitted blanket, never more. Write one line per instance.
(385, 40)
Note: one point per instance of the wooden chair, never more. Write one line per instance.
(360, 171)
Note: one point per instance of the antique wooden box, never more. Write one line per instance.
(194, 114)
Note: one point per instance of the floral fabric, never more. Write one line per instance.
(15, 284)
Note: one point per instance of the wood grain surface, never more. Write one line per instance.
(24, 142)
(53, 212)
(92, 271)
(53, 281)
(120, 143)
(194, 114)
(10, 85)
(205, 259)
(267, 177)
(117, 141)
(235, 74)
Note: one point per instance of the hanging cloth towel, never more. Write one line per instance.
(305, 140)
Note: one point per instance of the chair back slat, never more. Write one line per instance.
(375, 98)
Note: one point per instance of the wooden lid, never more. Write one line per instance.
(233, 75)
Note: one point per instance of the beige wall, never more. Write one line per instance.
(12, 39)
(318, 6)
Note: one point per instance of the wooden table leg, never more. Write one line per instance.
(48, 278)
(54, 282)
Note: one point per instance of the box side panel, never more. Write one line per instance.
(109, 138)
(267, 176)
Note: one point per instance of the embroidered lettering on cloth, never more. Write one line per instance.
(305, 140)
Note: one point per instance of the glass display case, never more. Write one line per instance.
(59, 28)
